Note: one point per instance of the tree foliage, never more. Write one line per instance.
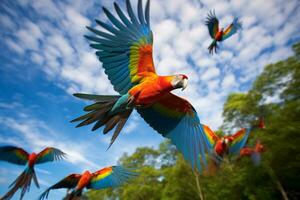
(275, 96)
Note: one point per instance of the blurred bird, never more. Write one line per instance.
(108, 177)
(19, 156)
(254, 153)
(230, 144)
(261, 123)
(125, 49)
(219, 35)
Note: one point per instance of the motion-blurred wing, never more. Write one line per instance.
(14, 155)
(50, 154)
(210, 135)
(176, 119)
(212, 24)
(232, 28)
(126, 51)
(68, 182)
(110, 177)
(239, 140)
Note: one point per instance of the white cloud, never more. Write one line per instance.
(180, 37)
(228, 81)
(210, 73)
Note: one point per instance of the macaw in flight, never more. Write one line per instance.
(125, 50)
(108, 177)
(223, 146)
(254, 153)
(19, 156)
(230, 144)
(219, 35)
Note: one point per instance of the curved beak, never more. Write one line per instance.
(184, 84)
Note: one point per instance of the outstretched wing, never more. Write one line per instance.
(239, 140)
(68, 182)
(110, 177)
(126, 51)
(176, 119)
(211, 136)
(50, 154)
(232, 28)
(14, 155)
(212, 24)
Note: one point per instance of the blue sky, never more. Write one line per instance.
(44, 59)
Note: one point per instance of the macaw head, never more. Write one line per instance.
(179, 81)
(228, 140)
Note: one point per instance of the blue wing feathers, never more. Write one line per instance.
(114, 47)
(147, 13)
(130, 13)
(119, 176)
(140, 12)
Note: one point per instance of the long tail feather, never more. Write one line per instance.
(23, 182)
(213, 47)
(99, 113)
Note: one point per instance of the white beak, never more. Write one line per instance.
(184, 84)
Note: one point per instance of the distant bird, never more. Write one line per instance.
(219, 35)
(108, 177)
(229, 144)
(223, 146)
(254, 153)
(261, 123)
(125, 49)
(19, 156)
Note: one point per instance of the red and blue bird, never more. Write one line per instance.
(125, 48)
(217, 34)
(19, 156)
(108, 177)
(253, 152)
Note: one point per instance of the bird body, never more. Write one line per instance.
(228, 144)
(126, 52)
(19, 156)
(152, 89)
(221, 147)
(219, 35)
(108, 177)
(248, 151)
(253, 153)
(84, 180)
(31, 159)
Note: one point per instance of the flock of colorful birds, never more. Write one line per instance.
(125, 50)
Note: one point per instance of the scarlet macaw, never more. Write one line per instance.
(219, 35)
(108, 177)
(126, 53)
(230, 144)
(223, 146)
(254, 153)
(19, 156)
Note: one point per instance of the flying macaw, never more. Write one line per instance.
(219, 35)
(230, 144)
(254, 153)
(19, 156)
(126, 53)
(108, 177)
(223, 146)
